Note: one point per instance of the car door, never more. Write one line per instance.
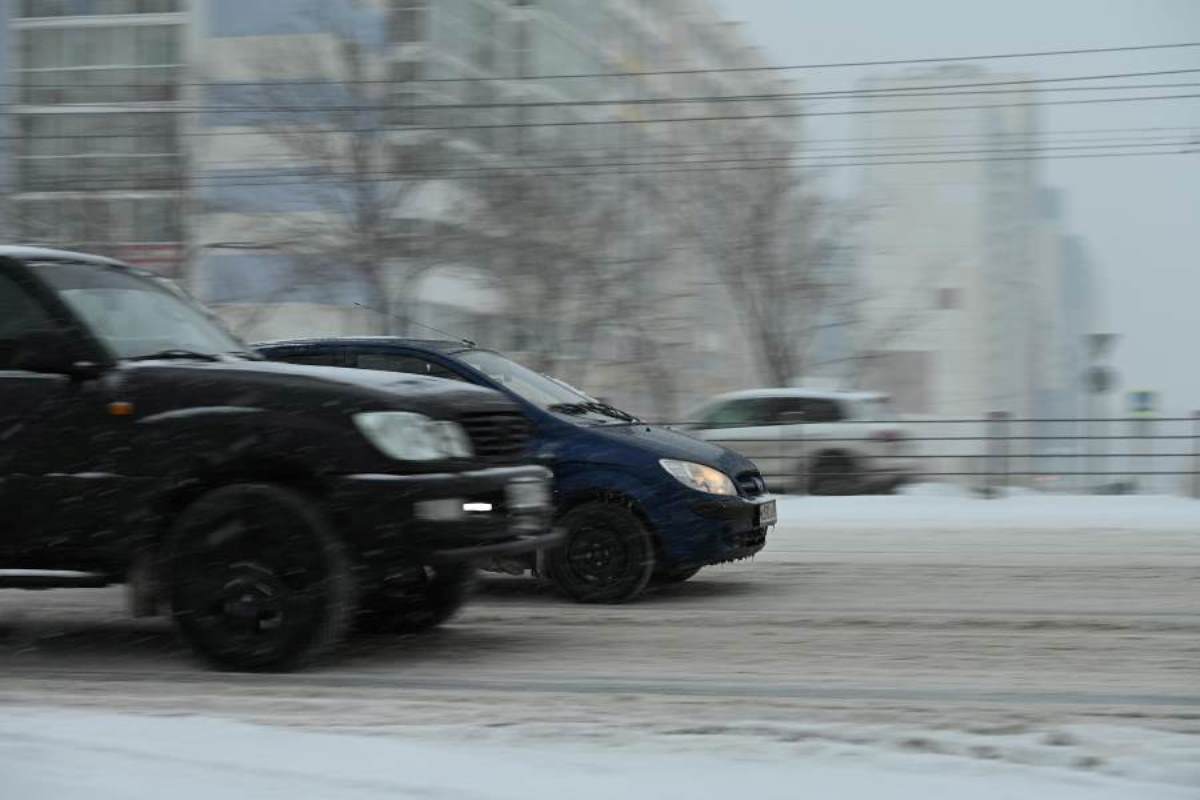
(48, 436)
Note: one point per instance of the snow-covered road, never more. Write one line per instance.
(1044, 632)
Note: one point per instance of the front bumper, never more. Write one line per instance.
(734, 527)
(447, 517)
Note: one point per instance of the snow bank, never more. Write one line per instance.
(68, 755)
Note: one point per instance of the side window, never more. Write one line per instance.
(325, 358)
(798, 410)
(824, 410)
(20, 315)
(738, 413)
(412, 365)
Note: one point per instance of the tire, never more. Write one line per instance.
(256, 579)
(423, 599)
(835, 475)
(668, 577)
(607, 556)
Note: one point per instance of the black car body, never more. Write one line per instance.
(123, 406)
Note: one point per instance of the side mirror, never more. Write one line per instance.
(53, 353)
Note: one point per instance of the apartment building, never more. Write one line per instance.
(94, 156)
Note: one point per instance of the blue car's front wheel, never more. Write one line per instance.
(607, 555)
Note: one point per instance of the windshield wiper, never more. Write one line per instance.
(595, 407)
(569, 408)
(176, 352)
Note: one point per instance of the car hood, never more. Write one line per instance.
(669, 443)
(279, 385)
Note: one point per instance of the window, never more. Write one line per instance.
(20, 315)
(86, 8)
(739, 413)
(795, 410)
(949, 299)
(327, 358)
(98, 220)
(408, 21)
(135, 316)
(100, 63)
(412, 365)
(67, 152)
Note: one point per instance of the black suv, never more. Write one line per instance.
(271, 506)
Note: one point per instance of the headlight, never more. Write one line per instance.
(413, 437)
(699, 477)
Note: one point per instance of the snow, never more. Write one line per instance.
(66, 755)
(946, 507)
(931, 644)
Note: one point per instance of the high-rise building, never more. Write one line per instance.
(949, 261)
(95, 158)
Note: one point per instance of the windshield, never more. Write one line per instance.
(134, 316)
(539, 389)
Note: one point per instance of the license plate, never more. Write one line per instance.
(528, 494)
(767, 514)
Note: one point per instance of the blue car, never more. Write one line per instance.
(638, 503)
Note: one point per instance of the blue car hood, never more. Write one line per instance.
(666, 443)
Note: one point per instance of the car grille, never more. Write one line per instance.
(497, 435)
(751, 484)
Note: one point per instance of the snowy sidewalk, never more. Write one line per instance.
(59, 755)
(945, 507)
(937, 523)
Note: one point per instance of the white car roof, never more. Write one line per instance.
(800, 391)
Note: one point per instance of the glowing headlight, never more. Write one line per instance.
(699, 477)
(413, 437)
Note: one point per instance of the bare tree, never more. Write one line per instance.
(569, 252)
(770, 238)
(337, 139)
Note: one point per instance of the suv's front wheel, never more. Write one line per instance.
(256, 578)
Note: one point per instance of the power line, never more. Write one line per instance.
(301, 179)
(311, 109)
(380, 130)
(288, 84)
(765, 67)
(692, 158)
(842, 64)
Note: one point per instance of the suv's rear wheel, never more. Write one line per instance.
(607, 556)
(257, 580)
(416, 599)
(835, 474)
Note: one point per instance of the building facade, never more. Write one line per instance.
(94, 156)
(962, 257)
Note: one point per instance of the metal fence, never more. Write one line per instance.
(995, 455)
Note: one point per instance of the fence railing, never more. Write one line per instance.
(993, 455)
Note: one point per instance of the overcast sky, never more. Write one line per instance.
(1140, 216)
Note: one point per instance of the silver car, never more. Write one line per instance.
(809, 440)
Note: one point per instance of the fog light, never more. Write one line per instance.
(445, 510)
(527, 494)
